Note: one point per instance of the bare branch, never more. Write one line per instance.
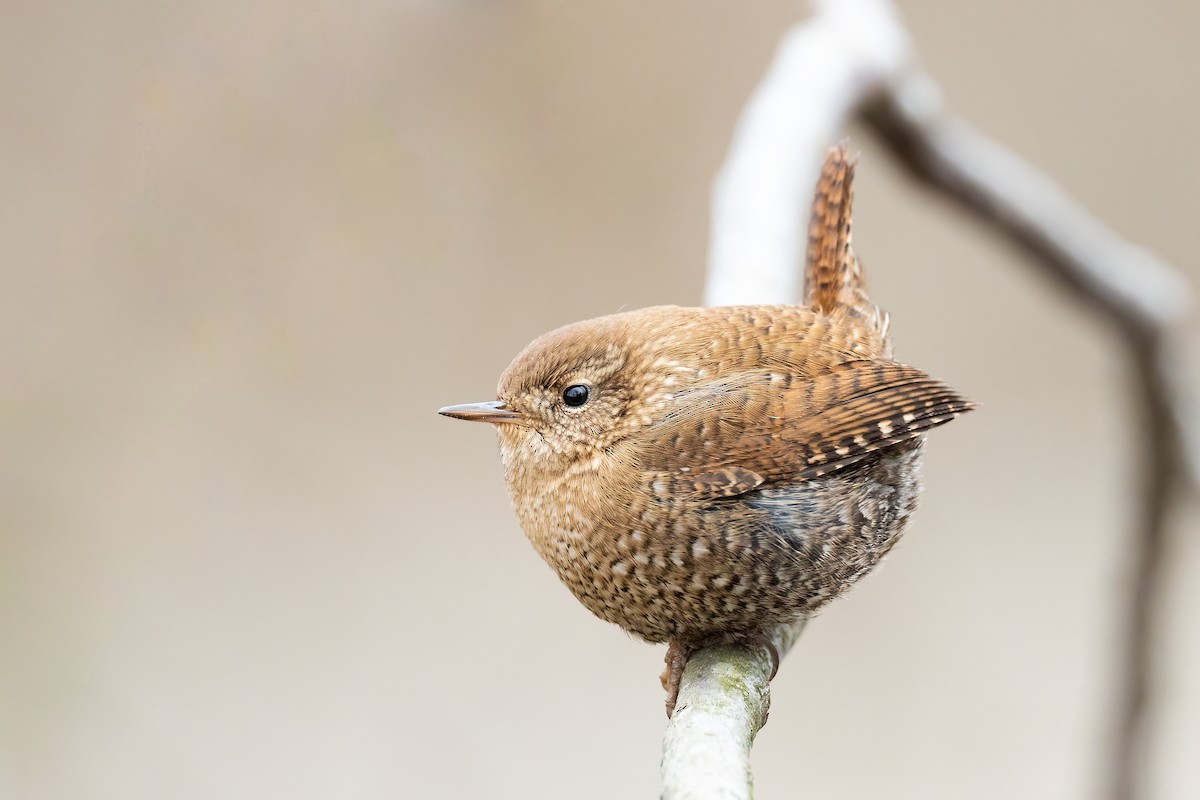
(1123, 281)
(1140, 297)
(723, 702)
(822, 70)
(854, 55)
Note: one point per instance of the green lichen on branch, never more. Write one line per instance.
(723, 701)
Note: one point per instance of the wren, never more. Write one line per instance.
(697, 475)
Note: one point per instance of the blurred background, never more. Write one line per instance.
(248, 249)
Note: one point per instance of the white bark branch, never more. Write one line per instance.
(823, 70)
(854, 55)
(723, 702)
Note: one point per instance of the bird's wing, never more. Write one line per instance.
(729, 437)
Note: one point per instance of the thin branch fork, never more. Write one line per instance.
(1141, 298)
(853, 57)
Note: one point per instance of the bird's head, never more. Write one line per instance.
(576, 391)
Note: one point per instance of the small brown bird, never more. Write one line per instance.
(696, 475)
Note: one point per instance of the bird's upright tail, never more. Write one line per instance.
(833, 278)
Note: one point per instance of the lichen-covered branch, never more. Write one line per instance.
(723, 702)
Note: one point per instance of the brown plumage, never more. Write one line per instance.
(699, 474)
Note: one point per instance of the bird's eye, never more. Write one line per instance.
(576, 395)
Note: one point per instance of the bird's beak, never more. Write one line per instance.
(481, 412)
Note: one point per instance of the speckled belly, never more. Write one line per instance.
(727, 568)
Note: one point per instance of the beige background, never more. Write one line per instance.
(248, 248)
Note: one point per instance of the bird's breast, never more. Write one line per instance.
(664, 566)
(569, 513)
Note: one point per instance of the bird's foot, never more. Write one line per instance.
(677, 657)
(764, 641)
(676, 660)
